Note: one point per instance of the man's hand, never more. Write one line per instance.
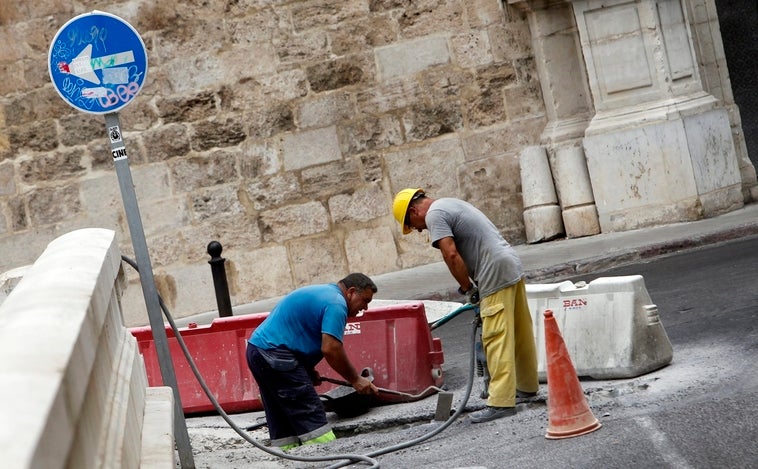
(364, 386)
(472, 294)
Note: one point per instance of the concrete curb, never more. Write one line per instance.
(630, 256)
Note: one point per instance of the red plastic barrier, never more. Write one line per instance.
(395, 341)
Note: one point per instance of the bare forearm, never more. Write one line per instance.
(335, 356)
(455, 263)
(460, 273)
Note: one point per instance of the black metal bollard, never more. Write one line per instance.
(219, 279)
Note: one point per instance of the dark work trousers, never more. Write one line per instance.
(294, 412)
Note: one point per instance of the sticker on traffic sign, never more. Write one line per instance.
(97, 62)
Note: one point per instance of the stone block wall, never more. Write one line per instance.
(716, 80)
(73, 387)
(282, 129)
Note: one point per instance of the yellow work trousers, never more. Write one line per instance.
(508, 340)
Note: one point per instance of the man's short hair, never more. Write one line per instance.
(359, 281)
(417, 196)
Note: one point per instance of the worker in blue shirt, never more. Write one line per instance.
(305, 326)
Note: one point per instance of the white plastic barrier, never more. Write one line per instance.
(610, 326)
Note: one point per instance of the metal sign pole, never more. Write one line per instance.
(98, 63)
(121, 161)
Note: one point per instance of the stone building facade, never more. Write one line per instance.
(283, 128)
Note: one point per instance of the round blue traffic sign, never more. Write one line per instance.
(97, 62)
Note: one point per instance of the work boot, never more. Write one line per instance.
(525, 395)
(325, 438)
(492, 413)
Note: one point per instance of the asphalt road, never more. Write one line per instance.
(701, 411)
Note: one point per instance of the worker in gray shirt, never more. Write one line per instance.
(486, 267)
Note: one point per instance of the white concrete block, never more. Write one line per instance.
(543, 223)
(542, 215)
(536, 178)
(572, 179)
(610, 326)
(581, 221)
(158, 430)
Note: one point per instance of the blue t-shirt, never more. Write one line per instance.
(298, 320)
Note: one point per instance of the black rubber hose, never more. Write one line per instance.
(472, 365)
(344, 458)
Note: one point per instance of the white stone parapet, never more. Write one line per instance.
(73, 387)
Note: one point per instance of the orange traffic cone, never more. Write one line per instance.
(568, 411)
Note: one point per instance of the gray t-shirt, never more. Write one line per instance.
(491, 262)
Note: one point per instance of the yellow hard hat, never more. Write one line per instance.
(400, 206)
